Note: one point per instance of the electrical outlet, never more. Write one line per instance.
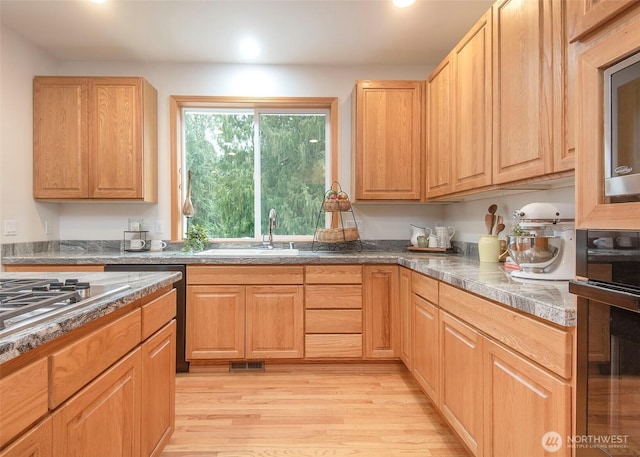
(10, 227)
(158, 227)
(47, 228)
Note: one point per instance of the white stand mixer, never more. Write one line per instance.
(540, 256)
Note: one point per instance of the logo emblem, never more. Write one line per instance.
(551, 441)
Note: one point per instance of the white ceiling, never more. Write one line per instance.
(296, 32)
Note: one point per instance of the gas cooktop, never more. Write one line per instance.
(26, 301)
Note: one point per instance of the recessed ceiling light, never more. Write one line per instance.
(249, 48)
(403, 3)
(97, 1)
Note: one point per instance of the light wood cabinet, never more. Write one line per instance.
(521, 404)
(37, 442)
(426, 347)
(528, 78)
(104, 417)
(244, 312)
(472, 110)
(275, 322)
(95, 138)
(587, 15)
(158, 390)
(439, 147)
(461, 399)
(333, 311)
(215, 322)
(406, 317)
(381, 316)
(388, 140)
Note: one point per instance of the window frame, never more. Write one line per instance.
(178, 102)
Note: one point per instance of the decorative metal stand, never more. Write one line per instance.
(338, 238)
(135, 235)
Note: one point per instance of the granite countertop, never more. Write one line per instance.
(140, 285)
(548, 300)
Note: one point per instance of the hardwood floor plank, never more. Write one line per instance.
(308, 410)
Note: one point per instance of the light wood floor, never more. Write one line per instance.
(308, 411)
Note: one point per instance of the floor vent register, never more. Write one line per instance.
(246, 366)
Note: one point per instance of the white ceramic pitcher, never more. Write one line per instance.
(416, 232)
(444, 235)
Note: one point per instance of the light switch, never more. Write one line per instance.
(10, 227)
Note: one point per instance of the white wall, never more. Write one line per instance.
(21, 61)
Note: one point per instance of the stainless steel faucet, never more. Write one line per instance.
(273, 224)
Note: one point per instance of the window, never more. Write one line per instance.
(246, 158)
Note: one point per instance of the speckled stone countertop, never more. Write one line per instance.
(548, 300)
(140, 285)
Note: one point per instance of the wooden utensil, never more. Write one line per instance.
(499, 228)
(489, 221)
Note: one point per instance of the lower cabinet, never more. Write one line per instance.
(110, 390)
(494, 373)
(158, 390)
(522, 404)
(406, 317)
(426, 356)
(244, 312)
(380, 285)
(103, 419)
(461, 400)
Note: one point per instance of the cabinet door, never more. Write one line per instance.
(527, 107)
(275, 322)
(60, 138)
(103, 419)
(461, 396)
(158, 390)
(472, 157)
(439, 129)
(35, 443)
(115, 145)
(522, 403)
(426, 347)
(381, 311)
(406, 317)
(388, 140)
(215, 322)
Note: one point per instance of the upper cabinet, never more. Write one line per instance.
(587, 15)
(498, 103)
(439, 142)
(388, 140)
(528, 83)
(472, 152)
(95, 138)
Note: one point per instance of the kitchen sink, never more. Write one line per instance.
(248, 252)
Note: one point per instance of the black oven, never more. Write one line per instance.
(608, 334)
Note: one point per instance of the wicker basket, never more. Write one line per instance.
(337, 235)
(336, 205)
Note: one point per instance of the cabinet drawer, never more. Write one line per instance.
(80, 362)
(157, 313)
(424, 286)
(333, 321)
(332, 297)
(333, 274)
(245, 275)
(333, 346)
(23, 399)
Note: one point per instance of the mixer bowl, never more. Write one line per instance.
(534, 253)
